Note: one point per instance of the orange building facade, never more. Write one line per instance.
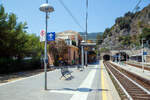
(72, 39)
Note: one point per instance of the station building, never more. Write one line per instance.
(73, 40)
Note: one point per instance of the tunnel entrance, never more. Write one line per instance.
(106, 57)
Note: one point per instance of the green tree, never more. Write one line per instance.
(99, 39)
(14, 38)
(135, 41)
(15, 43)
(104, 50)
(33, 47)
(62, 48)
(58, 49)
(107, 32)
(145, 34)
(126, 40)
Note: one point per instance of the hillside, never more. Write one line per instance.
(127, 30)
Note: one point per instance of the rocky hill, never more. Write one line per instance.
(127, 29)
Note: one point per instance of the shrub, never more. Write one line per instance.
(10, 65)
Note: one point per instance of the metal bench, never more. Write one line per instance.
(65, 72)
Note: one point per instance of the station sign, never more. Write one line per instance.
(51, 36)
(144, 53)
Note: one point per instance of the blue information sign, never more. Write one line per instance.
(51, 36)
(144, 53)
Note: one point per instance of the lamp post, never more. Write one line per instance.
(119, 54)
(47, 9)
(82, 52)
(143, 54)
(126, 55)
(126, 58)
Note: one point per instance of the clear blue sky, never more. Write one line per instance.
(102, 13)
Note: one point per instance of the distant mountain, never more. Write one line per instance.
(91, 36)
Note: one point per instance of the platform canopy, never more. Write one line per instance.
(88, 44)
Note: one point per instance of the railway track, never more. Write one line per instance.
(131, 85)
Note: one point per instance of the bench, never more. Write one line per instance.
(80, 68)
(65, 72)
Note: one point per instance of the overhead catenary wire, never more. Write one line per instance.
(70, 13)
(137, 6)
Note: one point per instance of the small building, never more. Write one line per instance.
(73, 40)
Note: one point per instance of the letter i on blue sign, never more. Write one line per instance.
(51, 36)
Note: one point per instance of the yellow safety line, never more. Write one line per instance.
(104, 97)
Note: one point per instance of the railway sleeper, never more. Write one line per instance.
(141, 95)
(138, 90)
(131, 92)
(141, 98)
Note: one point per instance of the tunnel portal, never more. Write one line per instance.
(106, 57)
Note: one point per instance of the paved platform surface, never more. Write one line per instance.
(138, 71)
(85, 85)
(111, 92)
(93, 83)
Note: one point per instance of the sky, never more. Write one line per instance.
(102, 13)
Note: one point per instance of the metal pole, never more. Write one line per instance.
(45, 60)
(82, 56)
(86, 19)
(86, 30)
(119, 57)
(142, 56)
(86, 58)
(126, 56)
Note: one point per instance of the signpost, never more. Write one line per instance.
(42, 36)
(144, 53)
(51, 36)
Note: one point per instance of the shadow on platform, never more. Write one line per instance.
(80, 90)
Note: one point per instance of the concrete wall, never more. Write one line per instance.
(148, 58)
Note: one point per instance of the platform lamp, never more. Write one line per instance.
(47, 9)
(82, 52)
(143, 54)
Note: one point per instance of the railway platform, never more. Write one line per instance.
(110, 92)
(146, 64)
(137, 71)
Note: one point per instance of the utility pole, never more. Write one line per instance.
(86, 31)
(126, 56)
(82, 57)
(86, 20)
(119, 57)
